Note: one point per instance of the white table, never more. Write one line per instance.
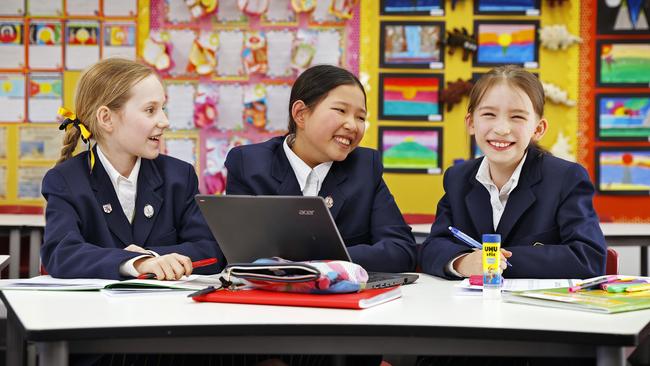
(14, 223)
(429, 319)
(616, 234)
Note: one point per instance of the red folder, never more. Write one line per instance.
(357, 300)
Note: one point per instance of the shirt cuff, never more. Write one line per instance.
(450, 266)
(153, 253)
(128, 269)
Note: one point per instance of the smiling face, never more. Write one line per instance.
(136, 129)
(504, 123)
(333, 128)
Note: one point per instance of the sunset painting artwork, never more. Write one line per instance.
(506, 43)
(624, 63)
(409, 97)
(414, 150)
(624, 117)
(625, 171)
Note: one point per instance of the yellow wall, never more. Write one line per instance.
(419, 193)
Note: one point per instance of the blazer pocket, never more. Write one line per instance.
(168, 238)
(551, 236)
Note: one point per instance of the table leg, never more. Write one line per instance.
(15, 343)
(34, 252)
(14, 252)
(644, 260)
(610, 356)
(52, 353)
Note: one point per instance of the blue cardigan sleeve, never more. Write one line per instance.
(581, 251)
(392, 247)
(65, 252)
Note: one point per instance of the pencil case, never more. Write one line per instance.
(277, 274)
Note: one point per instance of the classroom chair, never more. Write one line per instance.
(611, 266)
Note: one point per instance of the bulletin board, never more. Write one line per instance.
(227, 72)
(43, 47)
(614, 136)
(401, 77)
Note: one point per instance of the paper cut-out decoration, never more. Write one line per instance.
(217, 149)
(303, 6)
(205, 106)
(157, 54)
(624, 170)
(557, 95)
(343, 8)
(455, 91)
(453, 4)
(254, 54)
(201, 8)
(557, 37)
(202, 58)
(552, 3)
(562, 148)
(304, 49)
(255, 105)
(623, 17)
(253, 7)
(463, 40)
(411, 149)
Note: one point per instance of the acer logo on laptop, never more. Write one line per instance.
(306, 212)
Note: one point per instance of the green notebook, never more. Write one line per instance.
(598, 301)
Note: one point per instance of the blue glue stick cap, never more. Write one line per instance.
(492, 238)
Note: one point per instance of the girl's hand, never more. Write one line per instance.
(166, 267)
(472, 263)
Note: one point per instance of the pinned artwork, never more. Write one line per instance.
(157, 53)
(120, 8)
(202, 58)
(623, 63)
(623, 117)
(623, 17)
(39, 143)
(526, 7)
(411, 149)
(82, 7)
(12, 97)
(303, 50)
(277, 115)
(230, 107)
(502, 43)
(182, 148)
(255, 53)
(205, 105)
(411, 45)
(280, 12)
(217, 148)
(343, 9)
(12, 44)
(255, 105)
(82, 44)
(412, 7)
(119, 40)
(253, 7)
(52, 8)
(45, 45)
(229, 53)
(180, 105)
(29, 182)
(279, 45)
(45, 96)
(623, 171)
(410, 97)
(229, 12)
(12, 8)
(201, 8)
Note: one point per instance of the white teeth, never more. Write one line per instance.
(500, 144)
(155, 138)
(342, 140)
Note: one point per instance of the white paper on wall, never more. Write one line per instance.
(328, 48)
(12, 44)
(181, 45)
(82, 44)
(280, 11)
(321, 13)
(279, 44)
(82, 7)
(178, 12)
(119, 40)
(230, 107)
(277, 112)
(180, 106)
(228, 11)
(181, 148)
(229, 53)
(29, 181)
(45, 7)
(120, 8)
(12, 98)
(12, 7)
(39, 143)
(45, 45)
(45, 96)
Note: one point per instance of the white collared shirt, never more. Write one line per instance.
(126, 190)
(310, 180)
(498, 198)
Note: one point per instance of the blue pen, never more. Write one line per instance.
(468, 240)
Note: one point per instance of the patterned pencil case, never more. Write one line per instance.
(277, 274)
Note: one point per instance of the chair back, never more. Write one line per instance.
(611, 266)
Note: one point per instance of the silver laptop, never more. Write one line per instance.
(296, 228)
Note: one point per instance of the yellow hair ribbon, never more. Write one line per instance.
(70, 121)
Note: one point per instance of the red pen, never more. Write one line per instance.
(197, 264)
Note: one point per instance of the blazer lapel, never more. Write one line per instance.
(330, 188)
(110, 204)
(479, 208)
(149, 182)
(282, 172)
(522, 197)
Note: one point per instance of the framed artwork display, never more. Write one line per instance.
(623, 170)
(411, 97)
(411, 149)
(512, 42)
(412, 45)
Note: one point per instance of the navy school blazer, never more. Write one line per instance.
(85, 239)
(364, 210)
(549, 223)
